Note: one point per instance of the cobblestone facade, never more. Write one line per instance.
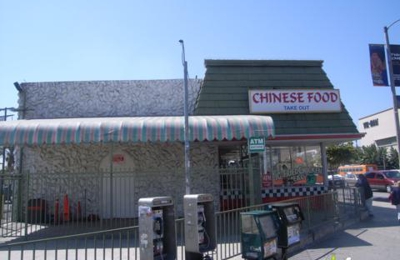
(153, 169)
(126, 98)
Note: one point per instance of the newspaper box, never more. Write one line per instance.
(259, 236)
(290, 216)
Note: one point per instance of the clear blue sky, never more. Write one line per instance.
(131, 40)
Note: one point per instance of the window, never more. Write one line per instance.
(370, 175)
(290, 165)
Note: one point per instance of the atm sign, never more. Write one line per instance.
(256, 144)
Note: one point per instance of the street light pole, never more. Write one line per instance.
(186, 127)
(392, 86)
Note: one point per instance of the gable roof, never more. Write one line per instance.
(227, 82)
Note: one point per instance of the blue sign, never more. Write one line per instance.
(378, 65)
(395, 53)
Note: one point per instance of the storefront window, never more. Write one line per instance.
(294, 165)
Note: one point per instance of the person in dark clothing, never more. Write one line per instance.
(395, 199)
(366, 192)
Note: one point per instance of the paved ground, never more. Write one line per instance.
(373, 238)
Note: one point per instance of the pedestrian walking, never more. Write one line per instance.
(366, 192)
(394, 198)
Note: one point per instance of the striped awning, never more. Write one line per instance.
(133, 129)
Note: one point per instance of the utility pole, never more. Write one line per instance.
(186, 127)
(392, 86)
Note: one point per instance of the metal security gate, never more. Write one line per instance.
(74, 202)
(67, 203)
(234, 188)
(10, 199)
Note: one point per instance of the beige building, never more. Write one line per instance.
(379, 129)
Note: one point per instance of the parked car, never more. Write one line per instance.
(350, 179)
(336, 180)
(383, 180)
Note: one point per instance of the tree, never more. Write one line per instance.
(384, 158)
(344, 153)
(393, 159)
(370, 155)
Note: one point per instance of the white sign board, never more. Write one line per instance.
(294, 101)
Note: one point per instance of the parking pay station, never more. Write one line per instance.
(259, 237)
(290, 216)
(157, 228)
(200, 231)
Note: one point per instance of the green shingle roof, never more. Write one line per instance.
(227, 82)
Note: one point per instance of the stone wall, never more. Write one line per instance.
(84, 171)
(122, 98)
(149, 170)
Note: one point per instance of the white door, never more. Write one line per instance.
(117, 195)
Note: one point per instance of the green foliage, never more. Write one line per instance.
(348, 154)
(393, 159)
(340, 154)
(371, 155)
(384, 158)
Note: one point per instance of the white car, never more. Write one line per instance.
(336, 180)
(350, 179)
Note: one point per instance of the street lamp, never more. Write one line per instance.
(186, 127)
(392, 86)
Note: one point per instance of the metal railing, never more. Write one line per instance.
(123, 243)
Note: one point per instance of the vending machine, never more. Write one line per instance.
(200, 231)
(259, 237)
(157, 228)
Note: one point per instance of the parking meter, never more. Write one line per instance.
(290, 216)
(157, 228)
(259, 238)
(200, 231)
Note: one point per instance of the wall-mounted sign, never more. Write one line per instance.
(294, 101)
(371, 123)
(118, 158)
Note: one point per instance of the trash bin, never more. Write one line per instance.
(259, 238)
(37, 209)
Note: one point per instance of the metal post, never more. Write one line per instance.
(392, 86)
(324, 159)
(186, 127)
(188, 255)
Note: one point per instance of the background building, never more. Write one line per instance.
(379, 129)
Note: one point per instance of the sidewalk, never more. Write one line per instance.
(373, 238)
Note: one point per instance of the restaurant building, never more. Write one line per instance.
(106, 144)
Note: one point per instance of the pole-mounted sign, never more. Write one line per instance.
(256, 144)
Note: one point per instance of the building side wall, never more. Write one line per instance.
(377, 127)
(130, 98)
(149, 170)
